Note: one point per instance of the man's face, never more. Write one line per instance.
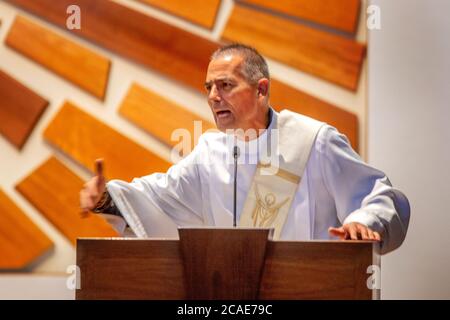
(233, 101)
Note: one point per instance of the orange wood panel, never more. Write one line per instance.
(172, 51)
(325, 55)
(340, 14)
(198, 11)
(84, 138)
(20, 110)
(66, 58)
(54, 190)
(286, 97)
(21, 241)
(160, 116)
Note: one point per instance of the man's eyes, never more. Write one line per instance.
(220, 85)
(226, 85)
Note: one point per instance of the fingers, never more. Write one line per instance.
(84, 204)
(338, 232)
(377, 236)
(93, 189)
(99, 178)
(99, 168)
(363, 231)
(354, 231)
(371, 234)
(88, 198)
(86, 201)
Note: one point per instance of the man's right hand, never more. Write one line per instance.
(93, 190)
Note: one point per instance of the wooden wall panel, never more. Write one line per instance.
(198, 11)
(73, 62)
(286, 97)
(112, 12)
(54, 190)
(340, 14)
(146, 40)
(328, 56)
(20, 110)
(158, 115)
(85, 139)
(21, 241)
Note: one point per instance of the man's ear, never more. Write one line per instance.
(263, 87)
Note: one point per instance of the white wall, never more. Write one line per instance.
(36, 286)
(409, 138)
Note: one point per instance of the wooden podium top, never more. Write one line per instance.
(213, 263)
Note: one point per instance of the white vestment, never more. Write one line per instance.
(336, 188)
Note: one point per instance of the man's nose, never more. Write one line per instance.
(214, 94)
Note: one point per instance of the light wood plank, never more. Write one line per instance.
(160, 116)
(21, 241)
(325, 55)
(286, 97)
(198, 11)
(54, 190)
(80, 65)
(84, 138)
(20, 110)
(172, 51)
(340, 14)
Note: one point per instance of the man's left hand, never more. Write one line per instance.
(354, 231)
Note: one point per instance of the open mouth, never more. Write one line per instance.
(223, 113)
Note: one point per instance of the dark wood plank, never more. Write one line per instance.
(21, 241)
(323, 270)
(145, 269)
(286, 97)
(84, 138)
(80, 65)
(153, 269)
(20, 110)
(160, 116)
(325, 55)
(54, 190)
(218, 269)
(198, 11)
(340, 14)
(134, 35)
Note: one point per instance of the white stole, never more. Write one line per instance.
(277, 177)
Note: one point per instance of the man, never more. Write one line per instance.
(313, 186)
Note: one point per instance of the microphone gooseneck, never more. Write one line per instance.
(235, 156)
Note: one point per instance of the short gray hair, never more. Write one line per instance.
(254, 67)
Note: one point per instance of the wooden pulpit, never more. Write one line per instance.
(213, 263)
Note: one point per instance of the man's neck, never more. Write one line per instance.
(257, 130)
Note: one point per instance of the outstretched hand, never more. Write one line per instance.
(354, 231)
(93, 190)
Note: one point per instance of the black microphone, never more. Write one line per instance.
(235, 156)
